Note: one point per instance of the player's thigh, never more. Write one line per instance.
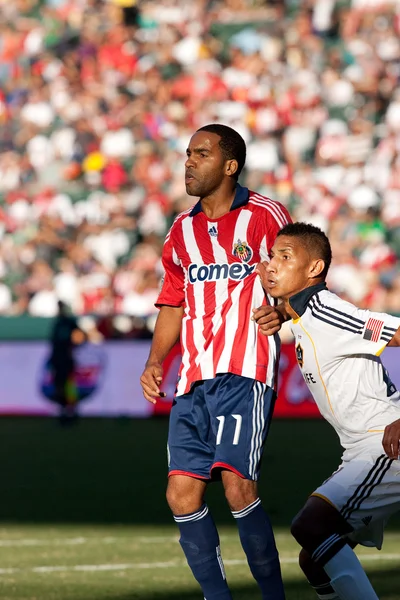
(240, 411)
(366, 492)
(191, 444)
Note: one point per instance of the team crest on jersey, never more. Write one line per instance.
(299, 355)
(242, 251)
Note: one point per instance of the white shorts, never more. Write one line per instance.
(366, 492)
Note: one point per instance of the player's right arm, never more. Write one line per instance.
(166, 334)
(395, 341)
(169, 321)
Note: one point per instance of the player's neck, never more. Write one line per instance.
(218, 203)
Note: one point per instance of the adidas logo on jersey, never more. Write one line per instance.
(367, 520)
(213, 272)
(213, 231)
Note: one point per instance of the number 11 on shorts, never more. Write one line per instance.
(238, 427)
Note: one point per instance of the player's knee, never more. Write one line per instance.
(184, 495)
(320, 530)
(239, 492)
(300, 528)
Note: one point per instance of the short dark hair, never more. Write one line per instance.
(231, 143)
(314, 239)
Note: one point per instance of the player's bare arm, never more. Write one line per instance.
(391, 439)
(166, 334)
(395, 341)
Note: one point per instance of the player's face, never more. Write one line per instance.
(290, 269)
(205, 165)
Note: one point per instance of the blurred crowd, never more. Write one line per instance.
(98, 100)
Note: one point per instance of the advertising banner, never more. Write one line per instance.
(107, 380)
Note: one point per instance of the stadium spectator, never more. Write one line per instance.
(337, 349)
(209, 289)
(98, 100)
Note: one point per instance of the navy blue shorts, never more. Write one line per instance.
(222, 423)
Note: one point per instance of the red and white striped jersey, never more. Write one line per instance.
(209, 270)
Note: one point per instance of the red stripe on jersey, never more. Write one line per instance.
(206, 250)
(263, 342)
(239, 344)
(187, 341)
(225, 239)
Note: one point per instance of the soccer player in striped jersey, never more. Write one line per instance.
(227, 381)
(338, 347)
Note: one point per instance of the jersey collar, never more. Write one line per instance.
(241, 199)
(299, 301)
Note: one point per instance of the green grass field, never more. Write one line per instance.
(83, 515)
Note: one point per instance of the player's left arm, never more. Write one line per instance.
(395, 341)
(391, 439)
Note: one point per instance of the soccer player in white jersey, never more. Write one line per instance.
(226, 388)
(338, 347)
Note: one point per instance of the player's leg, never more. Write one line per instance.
(360, 497)
(322, 532)
(190, 458)
(241, 411)
(317, 578)
(256, 534)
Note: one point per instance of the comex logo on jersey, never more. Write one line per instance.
(213, 272)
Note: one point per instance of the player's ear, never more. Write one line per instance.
(317, 267)
(231, 166)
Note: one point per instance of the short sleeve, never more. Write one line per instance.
(360, 331)
(172, 290)
(276, 217)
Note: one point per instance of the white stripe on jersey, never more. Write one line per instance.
(221, 289)
(264, 250)
(275, 207)
(241, 228)
(175, 257)
(195, 257)
(250, 360)
(242, 225)
(185, 354)
(232, 318)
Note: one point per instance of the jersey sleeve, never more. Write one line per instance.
(172, 289)
(359, 331)
(276, 217)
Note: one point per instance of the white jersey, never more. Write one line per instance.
(337, 348)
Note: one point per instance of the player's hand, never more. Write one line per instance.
(151, 380)
(390, 441)
(268, 318)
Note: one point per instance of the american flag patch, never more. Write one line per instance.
(373, 330)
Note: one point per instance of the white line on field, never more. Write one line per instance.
(285, 560)
(76, 541)
(7, 543)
